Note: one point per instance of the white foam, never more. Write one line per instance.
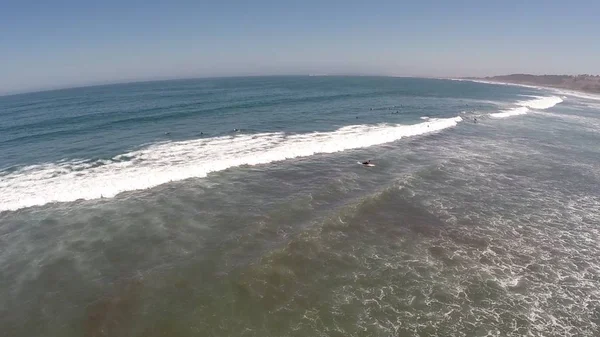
(563, 92)
(160, 163)
(537, 103)
(541, 102)
(502, 83)
(511, 112)
(578, 94)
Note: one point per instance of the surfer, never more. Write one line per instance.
(368, 162)
(474, 119)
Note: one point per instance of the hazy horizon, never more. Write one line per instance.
(52, 47)
(191, 78)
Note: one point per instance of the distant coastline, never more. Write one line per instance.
(585, 83)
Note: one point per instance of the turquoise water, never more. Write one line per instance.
(237, 207)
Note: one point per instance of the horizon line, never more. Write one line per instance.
(140, 81)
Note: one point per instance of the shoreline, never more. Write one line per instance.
(559, 90)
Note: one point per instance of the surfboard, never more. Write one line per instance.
(369, 165)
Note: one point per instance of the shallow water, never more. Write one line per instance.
(467, 229)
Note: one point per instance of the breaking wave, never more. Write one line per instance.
(164, 162)
(537, 103)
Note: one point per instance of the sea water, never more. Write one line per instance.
(236, 207)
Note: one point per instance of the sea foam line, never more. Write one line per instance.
(482, 81)
(561, 91)
(537, 103)
(578, 94)
(164, 162)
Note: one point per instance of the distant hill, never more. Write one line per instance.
(589, 83)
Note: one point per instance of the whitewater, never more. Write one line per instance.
(174, 161)
(523, 107)
(467, 226)
(165, 162)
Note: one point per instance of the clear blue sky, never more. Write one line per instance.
(48, 44)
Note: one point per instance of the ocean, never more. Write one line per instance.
(239, 207)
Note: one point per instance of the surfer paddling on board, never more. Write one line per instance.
(366, 163)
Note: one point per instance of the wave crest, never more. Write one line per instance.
(538, 103)
(164, 162)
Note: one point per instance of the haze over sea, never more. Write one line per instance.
(238, 207)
